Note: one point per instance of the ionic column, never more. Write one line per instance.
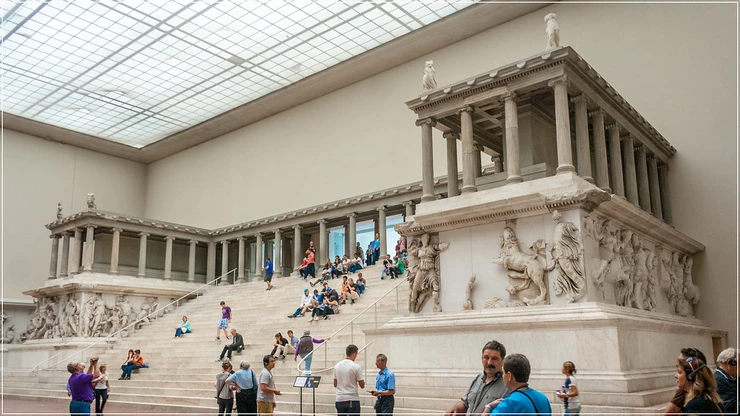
(665, 195)
(191, 261)
(654, 187)
(277, 262)
(409, 209)
(115, 250)
(297, 259)
(615, 152)
(382, 229)
(427, 159)
(477, 167)
(497, 166)
(240, 274)
(224, 260)
(452, 186)
(64, 268)
(468, 149)
(260, 258)
(582, 142)
(630, 174)
(562, 125)
(87, 261)
(211, 262)
(77, 253)
(142, 254)
(323, 242)
(602, 166)
(643, 181)
(511, 120)
(54, 256)
(168, 257)
(352, 232)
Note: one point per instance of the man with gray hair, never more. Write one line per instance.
(246, 385)
(726, 377)
(81, 387)
(385, 387)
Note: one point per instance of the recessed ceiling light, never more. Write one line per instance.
(297, 68)
(236, 60)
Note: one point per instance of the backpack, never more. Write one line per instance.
(305, 345)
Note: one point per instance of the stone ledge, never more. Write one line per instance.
(115, 284)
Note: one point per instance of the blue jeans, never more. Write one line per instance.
(307, 362)
(348, 408)
(360, 289)
(574, 411)
(179, 332)
(384, 406)
(79, 408)
(127, 369)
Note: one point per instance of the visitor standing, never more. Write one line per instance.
(694, 377)
(679, 398)
(385, 387)
(376, 248)
(347, 377)
(569, 392)
(223, 324)
(311, 258)
(266, 394)
(268, 270)
(81, 386)
(726, 377)
(523, 400)
(305, 346)
(224, 396)
(487, 386)
(245, 383)
(102, 388)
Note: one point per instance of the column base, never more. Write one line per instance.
(514, 179)
(428, 198)
(167, 279)
(63, 275)
(588, 179)
(113, 272)
(141, 275)
(468, 189)
(565, 169)
(241, 279)
(191, 280)
(607, 189)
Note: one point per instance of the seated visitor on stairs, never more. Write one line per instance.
(356, 263)
(346, 263)
(361, 283)
(303, 268)
(223, 324)
(353, 289)
(290, 348)
(336, 267)
(133, 361)
(347, 291)
(183, 328)
(278, 350)
(399, 269)
(305, 304)
(387, 265)
(246, 385)
(237, 344)
(329, 307)
(224, 395)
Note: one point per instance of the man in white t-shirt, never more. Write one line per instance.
(347, 376)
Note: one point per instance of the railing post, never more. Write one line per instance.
(352, 332)
(397, 302)
(376, 316)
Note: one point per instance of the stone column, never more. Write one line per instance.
(477, 167)
(409, 209)
(665, 195)
(224, 261)
(64, 268)
(654, 187)
(427, 159)
(87, 261)
(191, 261)
(115, 250)
(452, 186)
(642, 178)
(497, 164)
(511, 119)
(382, 230)
(54, 256)
(142, 254)
(260, 261)
(277, 262)
(602, 166)
(352, 233)
(323, 243)
(297, 258)
(468, 149)
(77, 253)
(615, 152)
(211, 262)
(630, 174)
(582, 141)
(240, 274)
(562, 125)
(168, 257)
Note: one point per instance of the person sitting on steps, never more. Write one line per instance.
(237, 344)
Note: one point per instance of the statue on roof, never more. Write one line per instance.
(553, 31)
(428, 81)
(59, 211)
(91, 201)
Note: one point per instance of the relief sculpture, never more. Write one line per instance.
(567, 252)
(527, 271)
(424, 274)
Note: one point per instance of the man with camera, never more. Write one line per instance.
(81, 386)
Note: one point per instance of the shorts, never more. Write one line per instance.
(223, 323)
(268, 278)
(265, 408)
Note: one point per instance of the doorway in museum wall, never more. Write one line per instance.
(336, 242)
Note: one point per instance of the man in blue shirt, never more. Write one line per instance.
(376, 248)
(522, 400)
(268, 273)
(385, 387)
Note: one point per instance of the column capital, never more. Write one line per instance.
(91, 226)
(561, 79)
(640, 147)
(65, 233)
(352, 215)
(169, 237)
(297, 227)
(612, 126)
(598, 112)
(478, 147)
(277, 231)
(322, 221)
(651, 157)
(466, 109)
(117, 229)
(509, 95)
(627, 137)
(430, 121)
(580, 98)
(54, 236)
(495, 158)
(224, 242)
(193, 241)
(258, 235)
(407, 203)
(451, 135)
(144, 234)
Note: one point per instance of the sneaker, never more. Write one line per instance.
(326, 318)
(313, 284)
(122, 378)
(219, 360)
(282, 357)
(291, 316)
(128, 378)
(228, 338)
(217, 339)
(269, 288)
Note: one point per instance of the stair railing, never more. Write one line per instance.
(156, 312)
(351, 325)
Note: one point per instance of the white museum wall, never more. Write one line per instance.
(340, 144)
(37, 174)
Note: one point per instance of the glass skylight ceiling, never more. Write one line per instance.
(135, 72)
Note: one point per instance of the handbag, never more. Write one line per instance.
(220, 390)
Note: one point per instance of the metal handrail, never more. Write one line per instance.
(107, 337)
(358, 351)
(351, 322)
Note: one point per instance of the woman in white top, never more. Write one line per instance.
(102, 388)
(569, 392)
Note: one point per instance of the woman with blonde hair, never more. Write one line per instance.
(694, 377)
(569, 392)
(102, 388)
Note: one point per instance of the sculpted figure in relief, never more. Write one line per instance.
(59, 211)
(73, 312)
(87, 309)
(644, 285)
(468, 304)
(424, 277)
(552, 28)
(691, 291)
(428, 81)
(60, 323)
(143, 317)
(9, 335)
(126, 309)
(528, 268)
(99, 312)
(567, 252)
(113, 323)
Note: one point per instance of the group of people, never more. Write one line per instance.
(326, 302)
(701, 391)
